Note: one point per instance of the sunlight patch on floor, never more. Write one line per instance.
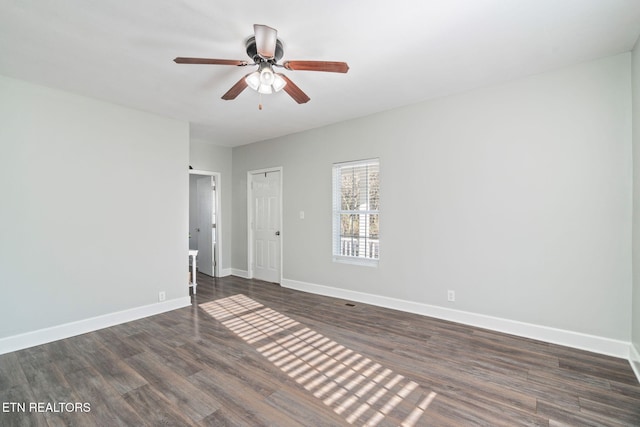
(355, 387)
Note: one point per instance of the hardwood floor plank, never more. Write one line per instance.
(225, 418)
(261, 383)
(107, 406)
(588, 392)
(50, 387)
(175, 362)
(240, 402)
(450, 411)
(16, 411)
(304, 409)
(154, 409)
(118, 339)
(114, 370)
(617, 411)
(609, 368)
(173, 386)
(560, 417)
(567, 378)
(68, 355)
(11, 373)
(630, 390)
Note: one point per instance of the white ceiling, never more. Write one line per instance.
(399, 52)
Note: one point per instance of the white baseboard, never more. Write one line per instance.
(240, 273)
(54, 333)
(634, 359)
(573, 339)
(224, 272)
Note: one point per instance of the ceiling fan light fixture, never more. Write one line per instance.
(278, 83)
(265, 81)
(253, 80)
(265, 89)
(266, 76)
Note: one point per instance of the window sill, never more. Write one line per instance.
(366, 262)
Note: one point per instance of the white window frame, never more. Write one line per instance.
(337, 240)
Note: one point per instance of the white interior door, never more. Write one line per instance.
(205, 230)
(265, 208)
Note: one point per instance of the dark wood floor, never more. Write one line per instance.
(249, 353)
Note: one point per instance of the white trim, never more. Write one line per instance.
(634, 360)
(596, 344)
(218, 252)
(249, 272)
(224, 272)
(354, 260)
(240, 273)
(54, 333)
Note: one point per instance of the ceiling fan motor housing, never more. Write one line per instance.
(252, 51)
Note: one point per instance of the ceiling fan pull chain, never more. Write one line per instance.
(260, 102)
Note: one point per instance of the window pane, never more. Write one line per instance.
(374, 226)
(349, 225)
(350, 190)
(359, 235)
(374, 189)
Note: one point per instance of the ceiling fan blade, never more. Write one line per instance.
(211, 61)
(294, 91)
(236, 89)
(266, 38)
(330, 66)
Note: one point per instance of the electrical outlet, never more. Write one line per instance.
(162, 296)
(451, 296)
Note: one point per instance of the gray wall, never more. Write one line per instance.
(205, 156)
(636, 201)
(92, 208)
(518, 197)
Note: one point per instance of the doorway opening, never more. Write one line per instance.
(204, 221)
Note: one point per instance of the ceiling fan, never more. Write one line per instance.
(265, 50)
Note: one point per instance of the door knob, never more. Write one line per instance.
(277, 233)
